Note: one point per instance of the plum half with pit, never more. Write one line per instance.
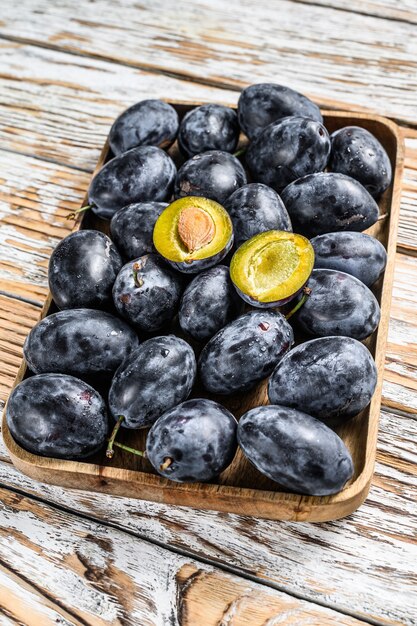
(192, 442)
(59, 416)
(82, 270)
(295, 450)
(193, 234)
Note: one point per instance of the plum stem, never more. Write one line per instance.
(75, 214)
(383, 217)
(241, 151)
(306, 294)
(167, 462)
(110, 451)
(141, 453)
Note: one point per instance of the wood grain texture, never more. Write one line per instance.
(101, 575)
(364, 564)
(391, 9)
(339, 57)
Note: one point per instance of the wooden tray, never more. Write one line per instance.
(241, 488)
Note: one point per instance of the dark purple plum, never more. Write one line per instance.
(132, 228)
(155, 377)
(355, 253)
(146, 123)
(57, 416)
(339, 304)
(82, 342)
(244, 352)
(82, 270)
(295, 450)
(208, 127)
(357, 153)
(263, 103)
(192, 442)
(147, 292)
(287, 150)
(331, 378)
(213, 174)
(329, 202)
(256, 208)
(139, 175)
(209, 302)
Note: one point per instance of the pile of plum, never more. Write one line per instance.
(193, 291)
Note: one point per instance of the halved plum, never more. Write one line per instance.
(271, 268)
(193, 234)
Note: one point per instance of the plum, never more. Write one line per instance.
(295, 450)
(131, 228)
(244, 352)
(56, 415)
(256, 208)
(331, 378)
(213, 174)
(287, 150)
(355, 253)
(208, 127)
(329, 202)
(155, 377)
(192, 442)
(82, 270)
(147, 292)
(141, 174)
(358, 153)
(263, 103)
(209, 302)
(339, 304)
(146, 123)
(81, 342)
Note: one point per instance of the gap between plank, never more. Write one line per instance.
(12, 296)
(47, 159)
(358, 12)
(197, 557)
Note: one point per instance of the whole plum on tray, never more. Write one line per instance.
(82, 270)
(296, 450)
(209, 302)
(331, 378)
(208, 127)
(287, 150)
(357, 153)
(261, 104)
(213, 174)
(58, 416)
(82, 342)
(146, 123)
(328, 202)
(244, 352)
(155, 377)
(131, 228)
(192, 442)
(339, 304)
(355, 253)
(141, 174)
(256, 208)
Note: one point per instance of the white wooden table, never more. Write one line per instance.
(66, 70)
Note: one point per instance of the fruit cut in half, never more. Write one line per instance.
(193, 234)
(272, 267)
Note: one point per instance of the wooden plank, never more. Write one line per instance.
(391, 9)
(101, 575)
(376, 543)
(336, 56)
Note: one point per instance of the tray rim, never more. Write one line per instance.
(240, 500)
